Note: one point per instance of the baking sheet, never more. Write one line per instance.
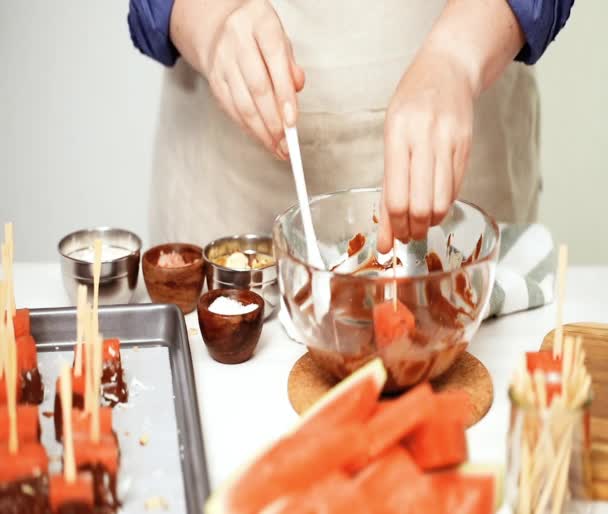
(162, 405)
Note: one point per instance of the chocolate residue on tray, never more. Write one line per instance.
(48, 414)
(17, 497)
(375, 218)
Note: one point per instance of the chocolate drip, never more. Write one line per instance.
(113, 388)
(475, 255)
(27, 496)
(104, 487)
(355, 244)
(32, 390)
(75, 508)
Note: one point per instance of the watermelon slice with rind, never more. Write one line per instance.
(497, 471)
(303, 457)
(463, 493)
(354, 399)
(335, 494)
(394, 484)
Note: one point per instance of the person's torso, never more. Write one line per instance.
(213, 180)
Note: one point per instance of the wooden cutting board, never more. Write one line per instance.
(595, 343)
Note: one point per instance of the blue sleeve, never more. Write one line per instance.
(149, 28)
(541, 21)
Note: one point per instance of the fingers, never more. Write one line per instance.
(421, 189)
(397, 180)
(247, 111)
(443, 183)
(461, 161)
(297, 73)
(277, 57)
(258, 82)
(385, 231)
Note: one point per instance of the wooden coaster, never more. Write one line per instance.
(307, 383)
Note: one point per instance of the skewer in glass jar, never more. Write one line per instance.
(549, 442)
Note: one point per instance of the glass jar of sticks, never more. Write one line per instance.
(548, 461)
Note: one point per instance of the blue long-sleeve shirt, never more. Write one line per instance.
(540, 20)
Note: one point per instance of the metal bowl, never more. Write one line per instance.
(262, 281)
(118, 279)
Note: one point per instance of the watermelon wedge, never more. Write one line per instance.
(463, 493)
(352, 400)
(440, 441)
(497, 471)
(391, 325)
(395, 419)
(328, 438)
(291, 465)
(335, 494)
(393, 484)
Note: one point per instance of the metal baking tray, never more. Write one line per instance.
(162, 407)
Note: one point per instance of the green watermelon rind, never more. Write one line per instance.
(374, 368)
(494, 469)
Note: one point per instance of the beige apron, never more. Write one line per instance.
(211, 180)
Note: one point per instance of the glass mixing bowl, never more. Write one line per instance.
(444, 281)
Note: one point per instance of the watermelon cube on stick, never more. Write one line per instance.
(391, 324)
(544, 361)
(440, 441)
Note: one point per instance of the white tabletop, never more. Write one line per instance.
(245, 406)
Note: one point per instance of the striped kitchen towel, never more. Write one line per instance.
(525, 274)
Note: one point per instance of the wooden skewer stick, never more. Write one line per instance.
(562, 454)
(395, 275)
(88, 353)
(561, 285)
(96, 277)
(97, 362)
(8, 270)
(80, 321)
(3, 348)
(69, 463)
(11, 382)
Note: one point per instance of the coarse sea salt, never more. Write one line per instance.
(229, 307)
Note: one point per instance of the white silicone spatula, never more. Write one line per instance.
(314, 255)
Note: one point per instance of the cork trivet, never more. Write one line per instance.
(307, 383)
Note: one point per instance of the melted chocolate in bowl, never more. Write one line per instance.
(444, 282)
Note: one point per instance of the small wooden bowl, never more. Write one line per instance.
(231, 338)
(181, 286)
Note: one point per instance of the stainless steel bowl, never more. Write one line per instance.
(262, 281)
(118, 279)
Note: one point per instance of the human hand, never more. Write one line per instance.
(427, 140)
(242, 49)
